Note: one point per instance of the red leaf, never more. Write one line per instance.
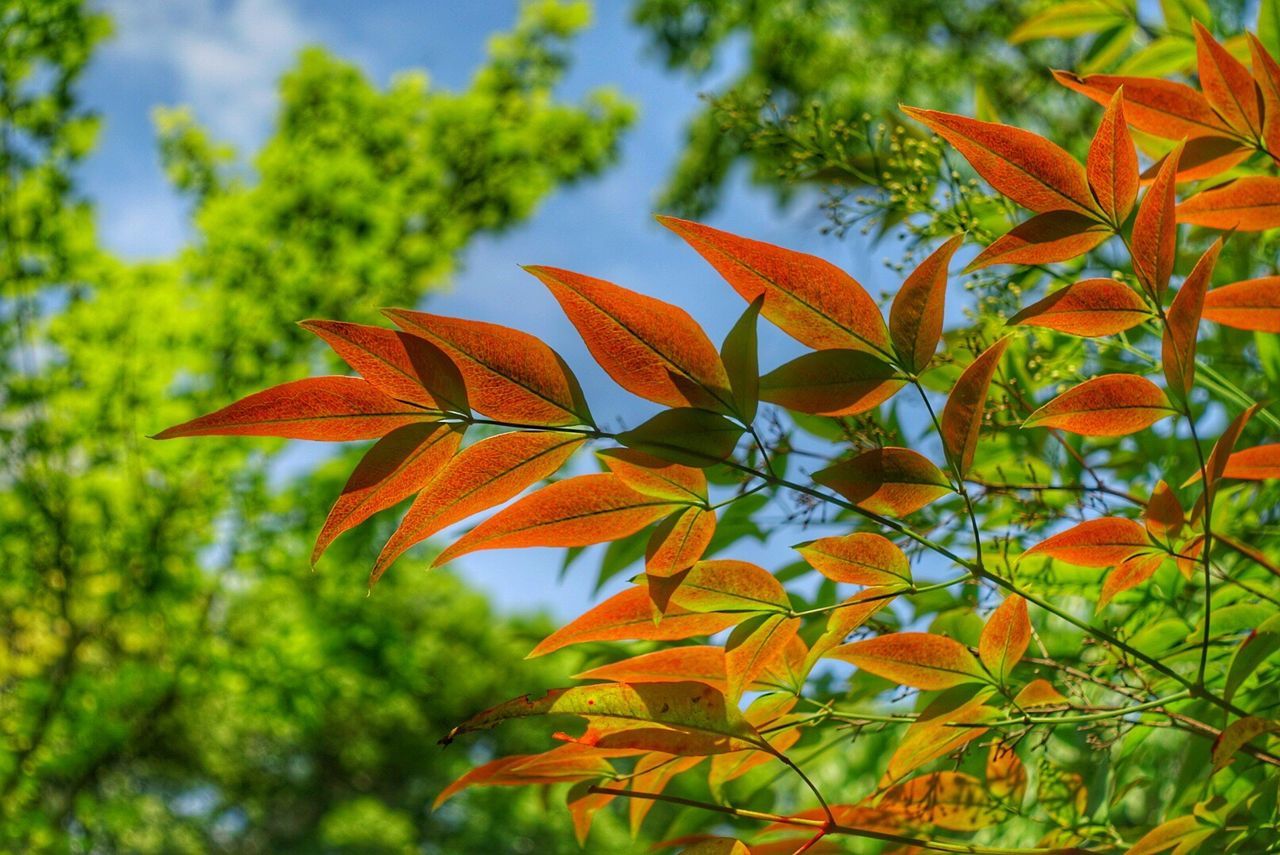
(1006, 776)
(810, 299)
(404, 366)
(1221, 454)
(1227, 84)
(656, 477)
(1202, 157)
(1246, 204)
(915, 320)
(1155, 229)
(702, 663)
(1254, 464)
(679, 541)
(628, 616)
(1112, 164)
(861, 558)
(510, 375)
(1160, 107)
(1253, 304)
(1110, 405)
(831, 383)
(650, 348)
(320, 408)
(651, 775)
(1267, 74)
(1178, 349)
(485, 474)
(1163, 516)
(1044, 239)
(399, 465)
(892, 481)
(1102, 542)
(915, 659)
(575, 512)
(1005, 637)
(961, 420)
(1130, 573)
(1090, 307)
(1039, 694)
(1027, 168)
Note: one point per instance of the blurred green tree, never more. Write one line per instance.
(171, 676)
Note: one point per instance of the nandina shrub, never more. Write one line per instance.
(1065, 610)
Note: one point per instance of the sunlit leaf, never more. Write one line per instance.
(950, 721)
(961, 420)
(1227, 84)
(1130, 573)
(950, 800)
(752, 647)
(1102, 542)
(1249, 204)
(1164, 516)
(1039, 694)
(1182, 322)
(1155, 228)
(1187, 830)
(916, 659)
(915, 319)
(1090, 307)
(1112, 164)
(1238, 734)
(679, 541)
(1005, 637)
(1044, 239)
(1253, 304)
(728, 586)
(654, 476)
(1160, 107)
(1006, 775)
(846, 617)
(861, 558)
(831, 383)
(686, 436)
(892, 481)
(702, 663)
(561, 764)
(1110, 405)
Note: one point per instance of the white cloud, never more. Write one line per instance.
(226, 56)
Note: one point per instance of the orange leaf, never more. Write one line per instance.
(1102, 542)
(1130, 573)
(1159, 107)
(320, 408)
(485, 474)
(1110, 405)
(831, 383)
(1267, 74)
(1006, 776)
(406, 367)
(1227, 84)
(1039, 694)
(575, 512)
(679, 541)
(1155, 228)
(1027, 168)
(893, 481)
(1112, 164)
(1044, 239)
(1246, 204)
(1005, 637)
(1219, 457)
(628, 616)
(754, 646)
(1090, 307)
(651, 775)
(915, 659)
(1253, 304)
(915, 320)
(845, 618)
(933, 735)
(399, 465)
(510, 375)
(650, 348)
(1202, 157)
(951, 800)
(1163, 516)
(654, 476)
(861, 558)
(702, 663)
(563, 763)
(727, 586)
(1178, 348)
(962, 416)
(810, 299)
(1254, 464)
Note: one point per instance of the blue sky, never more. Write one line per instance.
(223, 57)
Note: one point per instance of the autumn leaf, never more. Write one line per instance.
(1250, 204)
(846, 617)
(1201, 158)
(1110, 405)
(1102, 542)
(686, 436)
(915, 659)
(1163, 516)
(1155, 229)
(951, 800)
(1220, 456)
(1112, 163)
(405, 367)
(1266, 72)
(578, 511)
(1182, 322)
(915, 319)
(1130, 573)
(1027, 168)
(679, 541)
(399, 465)
(740, 355)
(561, 764)
(961, 420)
(861, 558)
(1227, 84)
(628, 616)
(510, 375)
(1185, 832)
(1006, 775)
(1005, 637)
(1039, 694)
(831, 383)
(650, 348)
(752, 647)
(329, 409)
(690, 716)
(1254, 464)
(482, 476)
(729, 586)
(1163, 108)
(652, 773)
(1090, 307)
(1237, 735)
(1044, 239)
(702, 663)
(656, 477)
(1253, 304)
(809, 299)
(891, 481)
(949, 722)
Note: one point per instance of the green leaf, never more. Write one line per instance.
(741, 358)
(1251, 653)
